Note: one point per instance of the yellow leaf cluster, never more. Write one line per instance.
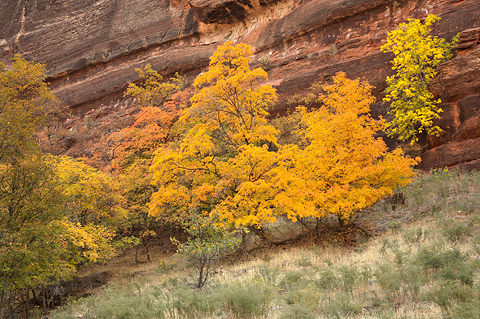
(343, 166)
(229, 163)
(223, 165)
(154, 91)
(92, 241)
(417, 55)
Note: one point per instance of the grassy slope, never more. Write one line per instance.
(427, 268)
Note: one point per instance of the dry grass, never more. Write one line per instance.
(427, 268)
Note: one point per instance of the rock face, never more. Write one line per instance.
(92, 47)
(458, 86)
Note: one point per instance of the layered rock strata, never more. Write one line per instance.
(92, 47)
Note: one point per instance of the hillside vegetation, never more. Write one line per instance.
(212, 162)
(428, 268)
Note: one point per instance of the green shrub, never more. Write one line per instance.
(349, 277)
(327, 279)
(343, 306)
(118, 304)
(297, 311)
(290, 279)
(395, 226)
(246, 301)
(446, 294)
(454, 230)
(207, 243)
(450, 264)
(268, 274)
(389, 281)
(308, 296)
(304, 261)
(189, 303)
(467, 310)
(365, 275)
(414, 236)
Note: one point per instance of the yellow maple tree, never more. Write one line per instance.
(413, 108)
(230, 164)
(345, 168)
(226, 164)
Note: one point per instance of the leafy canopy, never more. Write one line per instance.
(225, 164)
(155, 90)
(344, 167)
(161, 103)
(55, 213)
(229, 163)
(154, 123)
(417, 55)
(26, 104)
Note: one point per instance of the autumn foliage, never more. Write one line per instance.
(417, 55)
(343, 166)
(226, 163)
(190, 158)
(229, 163)
(154, 123)
(55, 213)
(161, 102)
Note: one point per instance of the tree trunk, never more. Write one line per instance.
(317, 229)
(341, 222)
(147, 251)
(2, 305)
(243, 245)
(261, 234)
(136, 255)
(200, 273)
(44, 300)
(27, 305)
(11, 305)
(207, 271)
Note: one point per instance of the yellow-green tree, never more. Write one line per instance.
(225, 164)
(345, 168)
(29, 206)
(93, 210)
(46, 228)
(31, 241)
(26, 105)
(55, 214)
(417, 55)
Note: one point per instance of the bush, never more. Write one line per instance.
(297, 311)
(207, 243)
(343, 306)
(455, 231)
(328, 280)
(246, 301)
(389, 281)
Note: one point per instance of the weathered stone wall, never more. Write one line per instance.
(458, 86)
(92, 47)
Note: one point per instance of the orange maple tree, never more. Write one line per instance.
(229, 162)
(226, 164)
(161, 103)
(345, 168)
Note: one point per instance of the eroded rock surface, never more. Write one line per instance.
(458, 86)
(92, 47)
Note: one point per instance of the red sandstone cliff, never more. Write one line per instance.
(91, 48)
